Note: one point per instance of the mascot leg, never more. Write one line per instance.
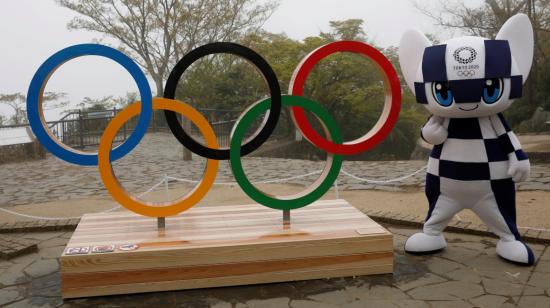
(442, 210)
(498, 211)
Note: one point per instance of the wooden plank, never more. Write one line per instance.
(206, 271)
(236, 234)
(226, 281)
(222, 222)
(226, 254)
(217, 218)
(224, 245)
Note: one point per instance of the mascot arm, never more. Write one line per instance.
(434, 131)
(519, 167)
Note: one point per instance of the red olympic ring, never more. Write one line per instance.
(392, 103)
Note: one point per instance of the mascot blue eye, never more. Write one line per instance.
(492, 91)
(442, 94)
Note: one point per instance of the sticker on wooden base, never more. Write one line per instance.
(128, 247)
(77, 250)
(103, 249)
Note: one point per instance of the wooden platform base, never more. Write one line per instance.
(222, 246)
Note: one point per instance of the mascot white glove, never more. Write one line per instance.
(434, 131)
(519, 170)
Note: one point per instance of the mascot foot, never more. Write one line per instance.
(421, 243)
(515, 251)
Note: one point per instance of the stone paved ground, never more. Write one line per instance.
(160, 154)
(468, 273)
(11, 247)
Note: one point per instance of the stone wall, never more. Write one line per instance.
(423, 149)
(21, 152)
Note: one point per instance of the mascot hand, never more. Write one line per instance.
(519, 170)
(434, 132)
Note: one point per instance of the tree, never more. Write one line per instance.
(156, 33)
(230, 83)
(349, 29)
(123, 101)
(18, 103)
(346, 84)
(484, 20)
(349, 86)
(97, 104)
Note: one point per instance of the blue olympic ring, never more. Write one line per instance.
(38, 83)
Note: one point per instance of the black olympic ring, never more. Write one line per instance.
(255, 59)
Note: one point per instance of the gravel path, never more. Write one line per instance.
(159, 154)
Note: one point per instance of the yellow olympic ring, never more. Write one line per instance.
(156, 209)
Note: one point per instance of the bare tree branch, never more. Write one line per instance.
(156, 33)
(18, 103)
(486, 19)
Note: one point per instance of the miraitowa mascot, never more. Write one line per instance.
(466, 83)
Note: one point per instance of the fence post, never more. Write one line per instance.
(115, 111)
(81, 123)
(64, 132)
(187, 156)
(154, 122)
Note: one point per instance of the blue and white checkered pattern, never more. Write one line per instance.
(475, 149)
(470, 170)
(476, 158)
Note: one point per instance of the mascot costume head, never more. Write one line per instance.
(466, 83)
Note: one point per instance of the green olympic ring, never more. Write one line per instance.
(317, 189)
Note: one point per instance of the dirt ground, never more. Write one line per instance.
(533, 206)
(535, 143)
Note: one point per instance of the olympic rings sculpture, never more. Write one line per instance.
(333, 144)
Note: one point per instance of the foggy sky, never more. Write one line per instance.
(32, 30)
